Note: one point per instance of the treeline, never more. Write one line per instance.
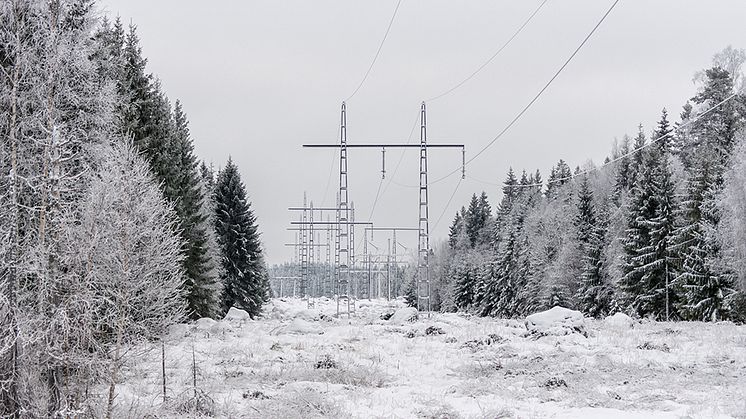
(111, 229)
(658, 231)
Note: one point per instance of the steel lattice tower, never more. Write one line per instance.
(343, 218)
(423, 244)
(311, 259)
(304, 251)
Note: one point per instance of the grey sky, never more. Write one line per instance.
(260, 78)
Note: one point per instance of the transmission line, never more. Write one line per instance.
(378, 52)
(535, 98)
(445, 208)
(631, 152)
(489, 60)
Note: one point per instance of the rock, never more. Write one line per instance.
(386, 315)
(236, 315)
(205, 323)
(620, 321)
(404, 315)
(555, 382)
(650, 346)
(557, 321)
(434, 330)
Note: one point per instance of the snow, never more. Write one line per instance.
(281, 366)
(299, 327)
(620, 321)
(557, 321)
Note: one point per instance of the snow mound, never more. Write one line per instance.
(205, 323)
(299, 327)
(557, 321)
(236, 315)
(620, 321)
(404, 315)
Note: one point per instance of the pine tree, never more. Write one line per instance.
(245, 276)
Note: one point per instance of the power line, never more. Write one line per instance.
(329, 179)
(489, 60)
(375, 201)
(378, 52)
(445, 208)
(631, 152)
(535, 98)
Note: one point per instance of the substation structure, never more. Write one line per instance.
(344, 259)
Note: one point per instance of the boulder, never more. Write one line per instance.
(404, 315)
(236, 315)
(557, 321)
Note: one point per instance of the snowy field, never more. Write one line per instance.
(304, 363)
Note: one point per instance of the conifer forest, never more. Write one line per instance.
(151, 270)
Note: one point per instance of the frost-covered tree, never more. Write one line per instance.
(463, 272)
(596, 293)
(125, 250)
(703, 289)
(559, 175)
(732, 229)
(245, 281)
(55, 115)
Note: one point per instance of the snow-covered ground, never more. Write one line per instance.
(303, 363)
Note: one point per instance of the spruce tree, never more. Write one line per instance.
(623, 181)
(650, 225)
(184, 188)
(462, 273)
(245, 276)
(595, 295)
(703, 289)
(455, 229)
(473, 220)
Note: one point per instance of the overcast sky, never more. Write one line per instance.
(260, 78)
